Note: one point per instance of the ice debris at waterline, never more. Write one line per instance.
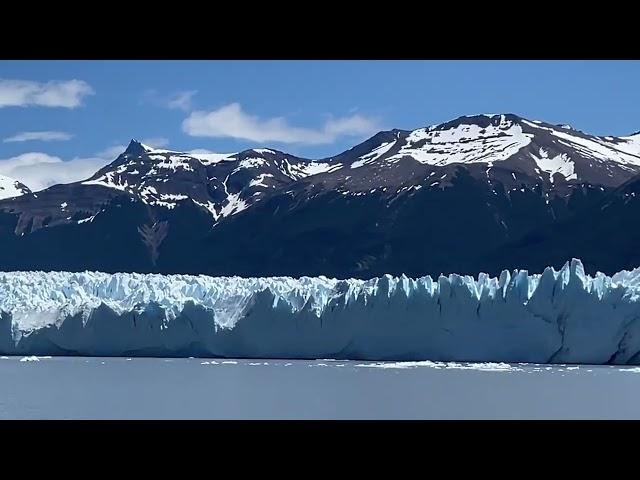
(557, 317)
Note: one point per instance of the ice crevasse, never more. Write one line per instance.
(560, 316)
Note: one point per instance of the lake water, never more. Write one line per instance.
(148, 388)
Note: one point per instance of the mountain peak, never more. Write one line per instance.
(497, 116)
(135, 148)
(483, 120)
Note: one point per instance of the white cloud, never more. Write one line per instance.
(353, 126)
(25, 93)
(39, 170)
(231, 121)
(47, 136)
(181, 100)
(111, 153)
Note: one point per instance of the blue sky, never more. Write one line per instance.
(83, 112)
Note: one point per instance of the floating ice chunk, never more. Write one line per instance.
(31, 358)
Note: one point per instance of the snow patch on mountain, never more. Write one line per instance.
(559, 164)
(233, 205)
(624, 150)
(171, 196)
(259, 182)
(147, 148)
(88, 219)
(210, 206)
(251, 163)
(373, 155)
(464, 143)
(315, 168)
(598, 149)
(630, 145)
(109, 180)
(173, 162)
(212, 158)
(10, 188)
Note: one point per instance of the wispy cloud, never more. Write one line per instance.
(110, 153)
(56, 93)
(47, 136)
(232, 121)
(182, 100)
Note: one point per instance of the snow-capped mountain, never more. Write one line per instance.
(10, 188)
(450, 197)
(220, 184)
(494, 148)
(224, 184)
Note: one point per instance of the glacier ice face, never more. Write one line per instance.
(560, 316)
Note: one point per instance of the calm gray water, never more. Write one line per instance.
(146, 388)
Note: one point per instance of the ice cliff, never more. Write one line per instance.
(561, 316)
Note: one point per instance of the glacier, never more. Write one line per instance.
(563, 316)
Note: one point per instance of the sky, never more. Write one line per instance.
(60, 121)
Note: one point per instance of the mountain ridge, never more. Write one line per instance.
(402, 201)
